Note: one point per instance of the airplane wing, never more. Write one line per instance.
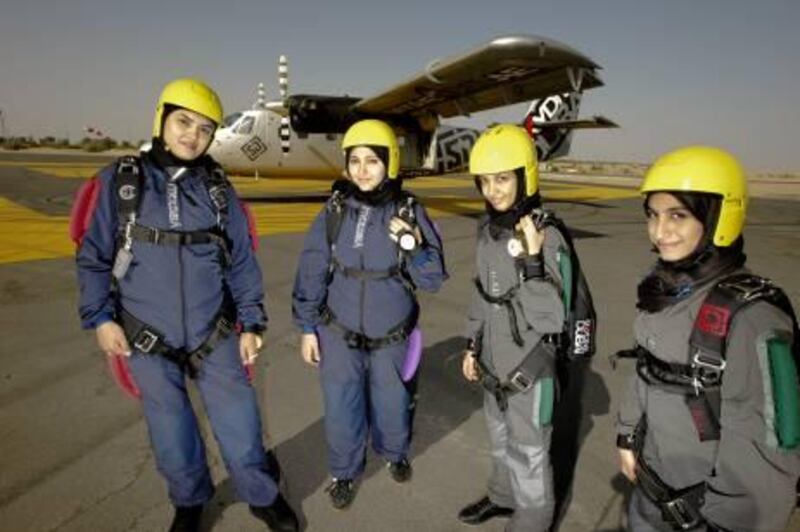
(503, 71)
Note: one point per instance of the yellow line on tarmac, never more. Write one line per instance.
(67, 172)
(28, 235)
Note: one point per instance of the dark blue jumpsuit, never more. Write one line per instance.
(362, 389)
(179, 290)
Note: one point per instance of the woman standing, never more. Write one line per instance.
(166, 268)
(364, 256)
(514, 325)
(710, 428)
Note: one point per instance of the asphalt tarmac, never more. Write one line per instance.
(74, 452)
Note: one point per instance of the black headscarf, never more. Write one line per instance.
(164, 157)
(387, 190)
(501, 221)
(670, 282)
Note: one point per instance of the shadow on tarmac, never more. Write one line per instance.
(584, 396)
(446, 401)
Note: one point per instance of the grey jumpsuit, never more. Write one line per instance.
(750, 480)
(520, 437)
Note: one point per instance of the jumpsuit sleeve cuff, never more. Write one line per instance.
(531, 266)
(418, 253)
(625, 441)
(309, 329)
(257, 328)
(98, 321)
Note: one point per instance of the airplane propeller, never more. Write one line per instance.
(283, 84)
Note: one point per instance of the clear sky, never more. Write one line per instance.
(722, 72)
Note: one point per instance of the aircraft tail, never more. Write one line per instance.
(551, 121)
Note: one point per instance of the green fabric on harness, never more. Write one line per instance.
(785, 392)
(546, 400)
(565, 267)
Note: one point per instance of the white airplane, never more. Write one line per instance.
(300, 135)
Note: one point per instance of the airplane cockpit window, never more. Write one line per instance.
(245, 126)
(229, 120)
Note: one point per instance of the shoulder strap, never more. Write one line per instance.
(406, 206)
(726, 298)
(217, 184)
(128, 188)
(334, 215)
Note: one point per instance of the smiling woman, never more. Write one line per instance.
(672, 227)
(187, 134)
(711, 421)
(166, 265)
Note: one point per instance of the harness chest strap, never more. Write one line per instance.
(334, 212)
(128, 184)
(700, 380)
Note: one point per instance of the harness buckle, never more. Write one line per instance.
(128, 235)
(224, 325)
(681, 513)
(708, 370)
(145, 341)
(126, 166)
(715, 365)
(355, 341)
(521, 382)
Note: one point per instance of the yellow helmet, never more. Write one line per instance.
(375, 133)
(191, 94)
(503, 148)
(704, 169)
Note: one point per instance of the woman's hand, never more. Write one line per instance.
(111, 339)
(249, 347)
(469, 366)
(397, 225)
(534, 238)
(627, 463)
(309, 349)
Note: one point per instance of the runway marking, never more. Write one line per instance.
(26, 234)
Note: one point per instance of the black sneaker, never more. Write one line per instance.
(400, 470)
(187, 519)
(342, 492)
(278, 515)
(483, 510)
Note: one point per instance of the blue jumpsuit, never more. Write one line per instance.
(178, 290)
(362, 389)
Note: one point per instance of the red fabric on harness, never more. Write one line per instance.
(251, 224)
(713, 320)
(122, 376)
(83, 209)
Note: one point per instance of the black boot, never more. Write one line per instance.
(483, 510)
(401, 470)
(187, 519)
(278, 515)
(342, 491)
